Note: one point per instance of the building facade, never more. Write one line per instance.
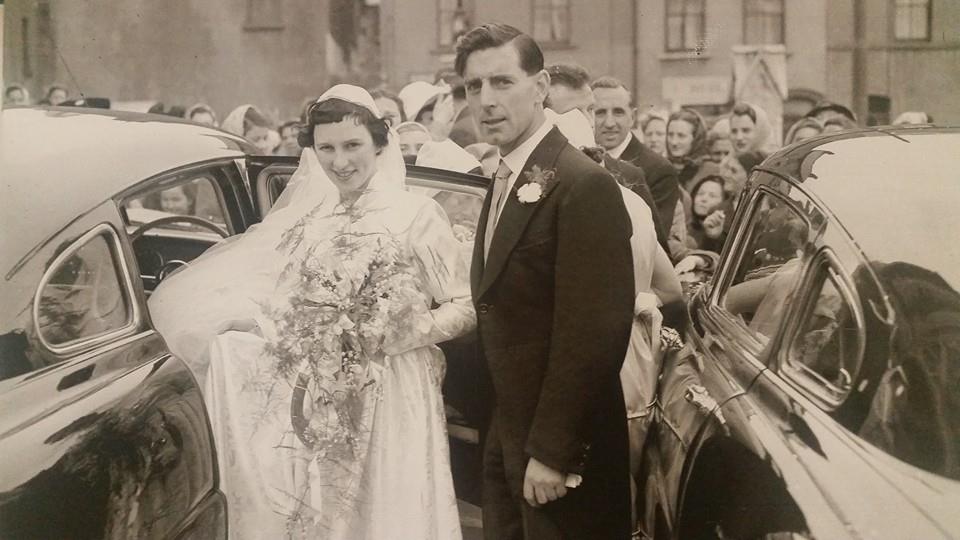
(881, 57)
(892, 56)
(271, 53)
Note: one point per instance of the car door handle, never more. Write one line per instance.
(77, 377)
(700, 398)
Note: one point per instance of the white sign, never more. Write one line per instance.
(704, 90)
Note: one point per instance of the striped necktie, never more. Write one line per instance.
(496, 201)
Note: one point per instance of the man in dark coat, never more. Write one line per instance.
(569, 90)
(615, 115)
(552, 281)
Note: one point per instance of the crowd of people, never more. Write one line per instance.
(689, 169)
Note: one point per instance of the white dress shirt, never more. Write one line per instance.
(516, 159)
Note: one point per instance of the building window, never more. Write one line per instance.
(763, 22)
(686, 20)
(912, 20)
(264, 15)
(454, 21)
(551, 21)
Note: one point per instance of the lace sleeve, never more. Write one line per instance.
(442, 263)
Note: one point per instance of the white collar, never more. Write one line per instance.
(617, 151)
(517, 158)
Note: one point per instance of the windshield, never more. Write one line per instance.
(899, 198)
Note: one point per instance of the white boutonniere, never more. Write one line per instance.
(537, 181)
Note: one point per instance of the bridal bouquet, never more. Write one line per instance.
(344, 302)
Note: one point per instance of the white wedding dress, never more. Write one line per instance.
(400, 486)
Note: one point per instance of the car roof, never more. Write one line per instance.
(61, 162)
(896, 191)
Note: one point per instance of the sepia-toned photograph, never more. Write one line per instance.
(480, 269)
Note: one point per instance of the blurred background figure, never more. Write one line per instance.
(913, 117)
(390, 105)
(248, 122)
(462, 130)
(750, 130)
(735, 168)
(839, 123)
(826, 110)
(653, 125)
(55, 95)
(419, 99)
(802, 130)
(201, 113)
(718, 146)
(15, 94)
(570, 89)
(412, 136)
(708, 213)
(686, 144)
(289, 131)
(180, 200)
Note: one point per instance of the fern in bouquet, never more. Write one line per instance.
(345, 300)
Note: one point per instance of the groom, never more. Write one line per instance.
(553, 288)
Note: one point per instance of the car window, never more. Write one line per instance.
(195, 196)
(825, 351)
(462, 209)
(84, 296)
(768, 266)
(461, 206)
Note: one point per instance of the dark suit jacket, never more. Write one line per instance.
(554, 306)
(632, 177)
(661, 177)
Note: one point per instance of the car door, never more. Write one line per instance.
(176, 216)
(467, 390)
(709, 421)
(103, 434)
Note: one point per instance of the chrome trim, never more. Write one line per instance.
(120, 263)
(825, 266)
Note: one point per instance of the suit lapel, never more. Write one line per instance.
(632, 151)
(515, 215)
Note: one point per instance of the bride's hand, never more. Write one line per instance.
(239, 325)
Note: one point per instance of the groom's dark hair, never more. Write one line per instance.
(489, 36)
(332, 111)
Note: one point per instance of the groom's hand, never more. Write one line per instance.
(541, 484)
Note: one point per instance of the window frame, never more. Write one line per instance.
(172, 181)
(683, 27)
(747, 12)
(567, 16)
(125, 279)
(732, 258)
(895, 9)
(824, 266)
(467, 6)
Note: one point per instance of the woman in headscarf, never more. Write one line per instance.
(802, 130)
(248, 122)
(750, 130)
(320, 329)
(653, 125)
(686, 144)
(201, 113)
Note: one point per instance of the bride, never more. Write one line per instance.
(316, 331)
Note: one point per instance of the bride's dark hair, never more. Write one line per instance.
(333, 110)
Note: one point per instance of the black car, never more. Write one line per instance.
(818, 395)
(103, 433)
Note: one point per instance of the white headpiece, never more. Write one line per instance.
(228, 280)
